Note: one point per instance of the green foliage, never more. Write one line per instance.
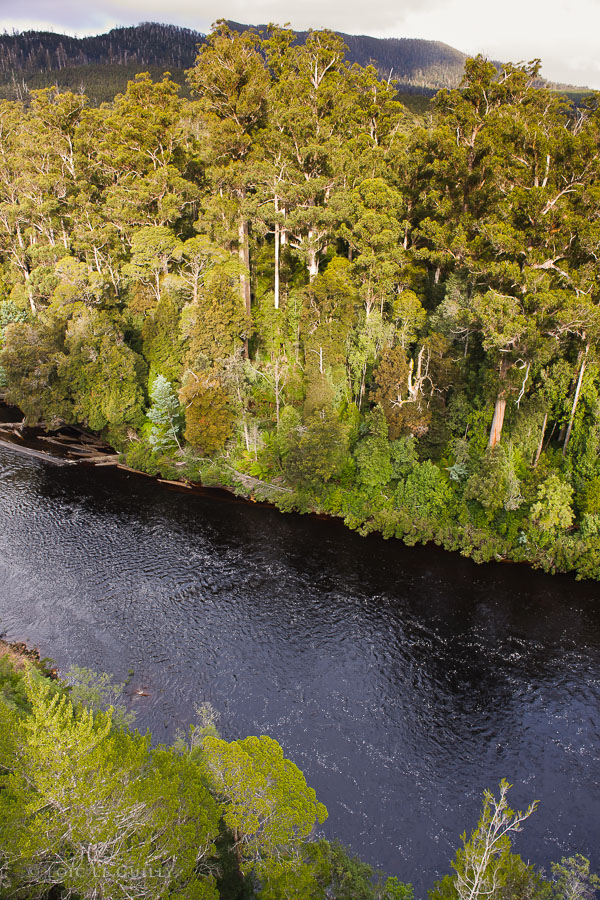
(269, 808)
(485, 866)
(403, 456)
(495, 483)
(31, 356)
(209, 416)
(88, 808)
(372, 453)
(589, 499)
(573, 880)
(9, 313)
(352, 879)
(553, 509)
(316, 453)
(98, 691)
(215, 324)
(97, 811)
(373, 461)
(153, 247)
(163, 345)
(102, 374)
(165, 415)
(425, 492)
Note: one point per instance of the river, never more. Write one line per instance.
(403, 681)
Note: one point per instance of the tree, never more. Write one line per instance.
(209, 416)
(552, 508)
(95, 811)
(31, 355)
(165, 415)
(501, 172)
(573, 880)
(483, 864)
(373, 453)
(102, 374)
(231, 81)
(152, 249)
(215, 324)
(426, 492)
(9, 313)
(268, 807)
(308, 99)
(317, 452)
(402, 393)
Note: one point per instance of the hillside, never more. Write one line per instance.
(148, 44)
(102, 64)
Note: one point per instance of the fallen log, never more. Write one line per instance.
(14, 432)
(37, 454)
(184, 484)
(135, 471)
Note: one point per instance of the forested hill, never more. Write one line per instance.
(101, 65)
(148, 44)
(418, 63)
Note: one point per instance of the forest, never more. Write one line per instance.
(291, 286)
(91, 809)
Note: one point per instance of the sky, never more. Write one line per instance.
(565, 35)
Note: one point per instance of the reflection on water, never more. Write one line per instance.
(402, 681)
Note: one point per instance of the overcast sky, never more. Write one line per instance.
(565, 35)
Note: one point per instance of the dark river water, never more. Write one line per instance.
(402, 681)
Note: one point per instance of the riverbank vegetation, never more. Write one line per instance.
(291, 286)
(90, 808)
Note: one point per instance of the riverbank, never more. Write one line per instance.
(366, 512)
(20, 655)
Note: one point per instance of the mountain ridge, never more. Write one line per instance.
(33, 59)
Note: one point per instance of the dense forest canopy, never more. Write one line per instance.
(290, 285)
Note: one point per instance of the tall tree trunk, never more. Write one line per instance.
(278, 243)
(244, 255)
(541, 443)
(30, 293)
(277, 265)
(575, 400)
(313, 261)
(498, 420)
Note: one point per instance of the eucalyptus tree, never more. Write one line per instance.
(38, 183)
(231, 83)
(502, 166)
(306, 115)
